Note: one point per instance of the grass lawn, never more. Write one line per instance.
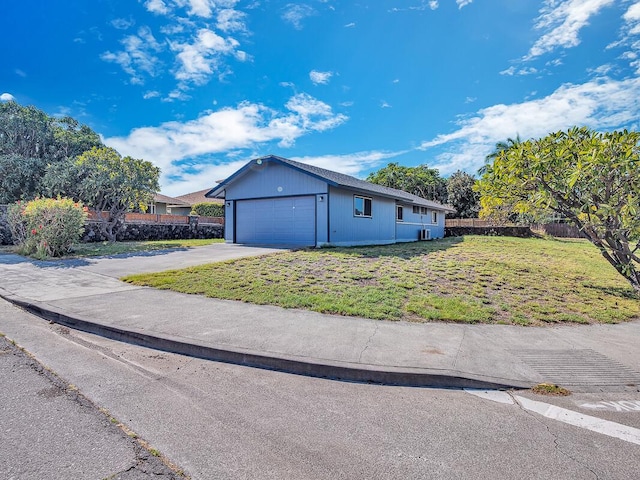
(96, 249)
(465, 279)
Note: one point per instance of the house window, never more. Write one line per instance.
(416, 209)
(423, 210)
(399, 213)
(434, 217)
(361, 206)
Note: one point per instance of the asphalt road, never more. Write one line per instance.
(226, 421)
(50, 430)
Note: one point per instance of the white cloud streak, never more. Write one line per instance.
(225, 130)
(561, 22)
(138, 57)
(350, 164)
(463, 3)
(601, 103)
(6, 97)
(320, 78)
(296, 13)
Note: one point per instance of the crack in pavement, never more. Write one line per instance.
(368, 342)
(556, 440)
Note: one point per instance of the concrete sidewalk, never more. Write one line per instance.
(86, 294)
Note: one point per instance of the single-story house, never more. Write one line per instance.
(164, 205)
(276, 201)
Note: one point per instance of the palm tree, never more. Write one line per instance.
(500, 147)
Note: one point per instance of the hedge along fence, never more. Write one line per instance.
(498, 231)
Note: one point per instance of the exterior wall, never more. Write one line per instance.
(229, 223)
(180, 211)
(160, 209)
(347, 229)
(322, 219)
(408, 229)
(273, 180)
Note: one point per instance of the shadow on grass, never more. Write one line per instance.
(404, 251)
(620, 292)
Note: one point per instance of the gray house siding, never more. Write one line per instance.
(273, 180)
(348, 229)
(408, 229)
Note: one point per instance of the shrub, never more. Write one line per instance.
(208, 209)
(46, 227)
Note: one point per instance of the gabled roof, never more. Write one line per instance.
(198, 197)
(334, 179)
(170, 201)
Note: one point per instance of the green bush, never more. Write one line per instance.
(46, 227)
(208, 209)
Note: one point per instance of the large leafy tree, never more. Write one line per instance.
(590, 178)
(422, 181)
(31, 144)
(113, 185)
(462, 196)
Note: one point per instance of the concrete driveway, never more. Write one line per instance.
(117, 266)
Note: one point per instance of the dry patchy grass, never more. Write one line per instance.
(466, 279)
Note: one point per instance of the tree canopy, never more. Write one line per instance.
(422, 181)
(462, 196)
(590, 178)
(110, 183)
(31, 142)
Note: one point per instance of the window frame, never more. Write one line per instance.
(434, 217)
(364, 206)
(399, 213)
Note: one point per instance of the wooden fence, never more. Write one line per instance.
(158, 218)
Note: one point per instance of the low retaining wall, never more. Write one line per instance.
(155, 231)
(492, 231)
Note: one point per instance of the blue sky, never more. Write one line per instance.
(201, 86)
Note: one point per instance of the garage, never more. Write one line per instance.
(276, 221)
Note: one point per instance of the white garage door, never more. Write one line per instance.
(276, 221)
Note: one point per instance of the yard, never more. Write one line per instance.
(461, 279)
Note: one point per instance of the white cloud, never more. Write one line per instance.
(296, 13)
(230, 20)
(20, 73)
(350, 25)
(463, 3)
(433, 5)
(562, 21)
(7, 97)
(157, 6)
(601, 103)
(151, 94)
(320, 77)
(519, 71)
(138, 57)
(350, 164)
(197, 61)
(629, 37)
(223, 131)
(384, 104)
(122, 23)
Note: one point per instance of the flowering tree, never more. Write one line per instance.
(590, 178)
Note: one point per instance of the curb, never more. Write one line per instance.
(334, 370)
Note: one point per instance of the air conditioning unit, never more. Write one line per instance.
(425, 234)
